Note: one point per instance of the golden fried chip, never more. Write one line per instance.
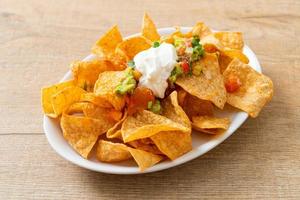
(105, 88)
(107, 44)
(115, 152)
(149, 29)
(209, 84)
(209, 124)
(145, 144)
(115, 131)
(63, 99)
(224, 61)
(172, 110)
(177, 33)
(77, 107)
(112, 152)
(131, 46)
(236, 54)
(211, 44)
(181, 95)
(145, 124)
(174, 143)
(255, 91)
(118, 60)
(227, 56)
(82, 132)
(97, 100)
(103, 114)
(86, 73)
(48, 92)
(201, 30)
(144, 159)
(106, 115)
(193, 106)
(117, 134)
(232, 40)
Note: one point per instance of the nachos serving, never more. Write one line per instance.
(141, 97)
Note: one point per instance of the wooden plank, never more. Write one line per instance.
(235, 169)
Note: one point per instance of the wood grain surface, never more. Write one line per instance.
(38, 39)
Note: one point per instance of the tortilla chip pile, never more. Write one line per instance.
(92, 115)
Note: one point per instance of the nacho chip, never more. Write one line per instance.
(224, 61)
(48, 92)
(227, 56)
(130, 47)
(63, 99)
(149, 29)
(209, 84)
(103, 114)
(177, 33)
(112, 152)
(97, 100)
(105, 88)
(211, 44)
(144, 159)
(86, 73)
(181, 95)
(118, 59)
(172, 110)
(77, 107)
(145, 124)
(236, 54)
(107, 44)
(232, 40)
(209, 124)
(115, 152)
(174, 143)
(117, 134)
(115, 131)
(145, 144)
(94, 111)
(114, 115)
(82, 132)
(201, 30)
(255, 91)
(193, 106)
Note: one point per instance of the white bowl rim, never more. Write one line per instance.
(111, 168)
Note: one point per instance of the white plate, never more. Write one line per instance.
(202, 143)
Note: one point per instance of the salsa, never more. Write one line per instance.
(232, 84)
(139, 99)
(152, 71)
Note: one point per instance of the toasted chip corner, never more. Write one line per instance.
(255, 91)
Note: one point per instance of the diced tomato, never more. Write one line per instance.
(181, 51)
(114, 115)
(185, 67)
(210, 48)
(232, 84)
(139, 99)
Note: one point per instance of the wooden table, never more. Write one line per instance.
(38, 39)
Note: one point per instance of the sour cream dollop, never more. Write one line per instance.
(156, 65)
